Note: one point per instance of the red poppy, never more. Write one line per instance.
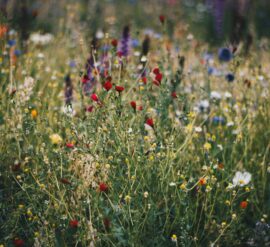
(103, 187)
(119, 88)
(133, 104)
(69, 145)
(144, 80)
(74, 223)
(85, 79)
(174, 95)
(156, 71)
(114, 42)
(162, 18)
(243, 204)
(18, 242)
(107, 85)
(158, 77)
(150, 122)
(94, 97)
(65, 181)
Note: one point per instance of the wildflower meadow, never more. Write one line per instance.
(121, 125)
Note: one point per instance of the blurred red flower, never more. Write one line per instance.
(103, 187)
(18, 242)
(133, 104)
(243, 204)
(119, 88)
(107, 85)
(74, 223)
(94, 97)
(150, 122)
(162, 18)
(69, 145)
(174, 95)
(114, 42)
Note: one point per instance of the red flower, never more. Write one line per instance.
(133, 104)
(94, 97)
(119, 88)
(85, 79)
(156, 71)
(162, 18)
(243, 204)
(107, 85)
(106, 223)
(89, 108)
(103, 187)
(144, 80)
(159, 77)
(114, 42)
(74, 223)
(18, 242)
(150, 122)
(174, 95)
(65, 181)
(119, 54)
(69, 145)
(140, 108)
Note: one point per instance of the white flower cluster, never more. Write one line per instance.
(25, 90)
(41, 39)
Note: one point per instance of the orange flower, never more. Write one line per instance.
(243, 204)
(3, 30)
(202, 181)
(34, 113)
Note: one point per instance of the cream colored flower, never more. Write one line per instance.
(56, 139)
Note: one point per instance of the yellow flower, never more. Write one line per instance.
(191, 115)
(34, 113)
(223, 224)
(183, 186)
(174, 238)
(56, 139)
(36, 234)
(189, 128)
(21, 206)
(207, 146)
(127, 199)
(42, 186)
(227, 202)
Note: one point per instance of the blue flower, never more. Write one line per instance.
(11, 42)
(218, 120)
(230, 77)
(224, 55)
(17, 53)
(135, 43)
(210, 70)
(72, 64)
